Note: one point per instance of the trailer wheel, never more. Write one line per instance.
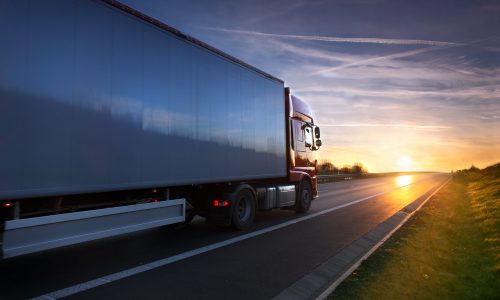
(243, 212)
(304, 197)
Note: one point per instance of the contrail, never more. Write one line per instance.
(379, 58)
(432, 45)
(341, 39)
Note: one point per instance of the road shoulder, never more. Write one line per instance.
(325, 278)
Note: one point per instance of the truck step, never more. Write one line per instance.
(30, 235)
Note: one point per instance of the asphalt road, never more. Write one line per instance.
(256, 267)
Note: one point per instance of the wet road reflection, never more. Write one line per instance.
(404, 180)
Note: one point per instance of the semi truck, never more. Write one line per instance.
(112, 121)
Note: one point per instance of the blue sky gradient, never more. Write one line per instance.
(387, 79)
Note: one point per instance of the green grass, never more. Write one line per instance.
(450, 249)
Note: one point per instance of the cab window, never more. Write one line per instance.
(298, 133)
(308, 136)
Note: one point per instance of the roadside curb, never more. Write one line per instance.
(324, 279)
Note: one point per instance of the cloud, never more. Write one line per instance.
(431, 95)
(409, 126)
(485, 92)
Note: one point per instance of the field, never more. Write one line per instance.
(450, 249)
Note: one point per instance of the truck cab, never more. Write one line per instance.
(303, 141)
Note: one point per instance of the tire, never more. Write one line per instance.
(304, 197)
(243, 212)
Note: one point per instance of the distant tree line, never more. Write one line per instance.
(325, 167)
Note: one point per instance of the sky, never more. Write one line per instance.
(396, 85)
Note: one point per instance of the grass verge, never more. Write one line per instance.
(450, 249)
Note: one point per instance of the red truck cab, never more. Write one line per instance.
(303, 141)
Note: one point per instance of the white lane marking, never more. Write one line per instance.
(77, 288)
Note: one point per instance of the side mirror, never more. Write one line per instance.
(317, 133)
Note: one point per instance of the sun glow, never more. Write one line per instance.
(405, 163)
(405, 180)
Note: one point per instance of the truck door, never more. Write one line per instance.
(303, 140)
(299, 143)
(308, 143)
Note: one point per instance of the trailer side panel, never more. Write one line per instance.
(94, 99)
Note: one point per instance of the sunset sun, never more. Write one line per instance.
(405, 163)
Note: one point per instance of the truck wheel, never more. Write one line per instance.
(304, 197)
(243, 209)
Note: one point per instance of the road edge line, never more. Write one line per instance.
(349, 271)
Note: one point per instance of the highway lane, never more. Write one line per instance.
(255, 268)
